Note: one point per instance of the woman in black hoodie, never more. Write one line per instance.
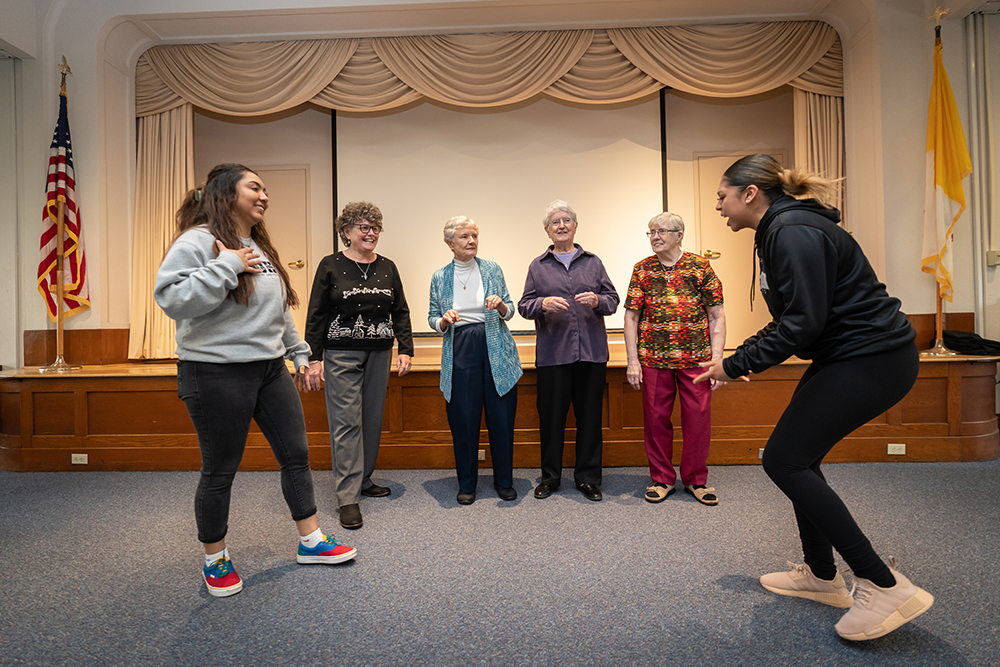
(827, 306)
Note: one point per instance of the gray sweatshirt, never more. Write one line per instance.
(192, 287)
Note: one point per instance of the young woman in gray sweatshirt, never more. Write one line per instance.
(223, 283)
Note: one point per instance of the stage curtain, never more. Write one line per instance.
(603, 76)
(483, 70)
(819, 136)
(365, 84)
(164, 173)
(250, 79)
(726, 60)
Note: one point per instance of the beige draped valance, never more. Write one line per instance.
(492, 69)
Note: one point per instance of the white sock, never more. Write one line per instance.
(312, 539)
(211, 558)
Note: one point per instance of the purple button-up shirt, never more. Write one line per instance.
(576, 334)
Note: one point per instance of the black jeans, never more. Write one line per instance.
(582, 384)
(222, 399)
(830, 401)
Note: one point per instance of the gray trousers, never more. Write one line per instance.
(356, 382)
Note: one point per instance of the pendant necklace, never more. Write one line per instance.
(466, 283)
(364, 271)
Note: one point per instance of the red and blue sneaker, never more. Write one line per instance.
(221, 578)
(328, 551)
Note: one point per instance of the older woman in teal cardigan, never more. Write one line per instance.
(470, 305)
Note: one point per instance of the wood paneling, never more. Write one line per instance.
(81, 346)
(130, 418)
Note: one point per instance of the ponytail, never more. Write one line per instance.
(774, 181)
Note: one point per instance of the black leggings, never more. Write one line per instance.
(830, 401)
(222, 399)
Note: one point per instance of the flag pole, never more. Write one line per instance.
(60, 365)
(939, 349)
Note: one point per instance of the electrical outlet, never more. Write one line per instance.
(78, 459)
(760, 453)
(482, 454)
(897, 450)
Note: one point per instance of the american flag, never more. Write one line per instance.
(61, 186)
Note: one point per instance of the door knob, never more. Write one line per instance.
(712, 254)
(296, 265)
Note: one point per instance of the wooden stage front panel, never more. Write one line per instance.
(128, 417)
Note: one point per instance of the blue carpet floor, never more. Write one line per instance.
(104, 569)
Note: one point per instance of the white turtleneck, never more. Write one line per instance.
(469, 296)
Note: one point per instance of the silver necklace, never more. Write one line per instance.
(466, 283)
(364, 272)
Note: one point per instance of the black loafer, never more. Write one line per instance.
(590, 491)
(466, 498)
(376, 491)
(350, 516)
(545, 489)
(506, 492)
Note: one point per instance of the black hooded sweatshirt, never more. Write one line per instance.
(825, 301)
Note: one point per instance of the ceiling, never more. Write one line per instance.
(366, 18)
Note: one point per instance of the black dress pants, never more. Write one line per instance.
(582, 385)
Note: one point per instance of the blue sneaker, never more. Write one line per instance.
(328, 551)
(221, 578)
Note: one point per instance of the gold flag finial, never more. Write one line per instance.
(64, 68)
(936, 16)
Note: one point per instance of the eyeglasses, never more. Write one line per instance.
(560, 221)
(367, 229)
(661, 232)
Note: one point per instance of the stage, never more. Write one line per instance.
(127, 416)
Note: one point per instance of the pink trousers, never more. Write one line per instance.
(659, 388)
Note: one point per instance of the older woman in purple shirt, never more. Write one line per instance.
(568, 294)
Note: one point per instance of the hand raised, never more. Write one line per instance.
(249, 256)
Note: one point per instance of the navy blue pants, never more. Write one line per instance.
(222, 399)
(472, 390)
(830, 401)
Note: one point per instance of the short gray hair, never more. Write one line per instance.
(669, 220)
(557, 205)
(456, 223)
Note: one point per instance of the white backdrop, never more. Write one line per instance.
(502, 168)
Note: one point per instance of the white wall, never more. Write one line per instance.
(906, 40)
(18, 30)
(991, 326)
(502, 168)
(10, 338)
(293, 138)
(701, 125)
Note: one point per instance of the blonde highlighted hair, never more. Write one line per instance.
(773, 180)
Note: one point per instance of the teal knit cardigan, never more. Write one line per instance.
(500, 344)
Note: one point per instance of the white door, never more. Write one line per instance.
(734, 263)
(288, 226)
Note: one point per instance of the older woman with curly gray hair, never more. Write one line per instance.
(356, 309)
(469, 304)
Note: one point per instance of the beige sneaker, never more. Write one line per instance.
(879, 611)
(800, 582)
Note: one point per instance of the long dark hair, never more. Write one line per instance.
(211, 205)
(773, 180)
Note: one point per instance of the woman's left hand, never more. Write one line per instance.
(307, 379)
(715, 372)
(403, 364)
(493, 302)
(587, 299)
